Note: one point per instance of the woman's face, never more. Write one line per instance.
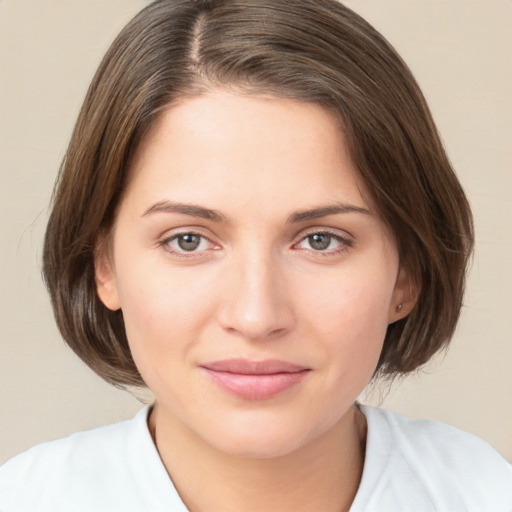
(256, 283)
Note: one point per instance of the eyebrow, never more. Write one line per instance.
(216, 216)
(187, 209)
(324, 211)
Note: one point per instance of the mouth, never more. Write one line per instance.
(255, 380)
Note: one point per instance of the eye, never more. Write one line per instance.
(324, 242)
(320, 241)
(188, 242)
(191, 243)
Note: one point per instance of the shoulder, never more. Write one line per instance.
(59, 475)
(82, 445)
(451, 468)
(448, 446)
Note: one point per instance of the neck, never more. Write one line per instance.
(321, 475)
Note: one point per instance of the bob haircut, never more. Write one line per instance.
(315, 51)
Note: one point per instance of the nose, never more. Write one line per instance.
(256, 302)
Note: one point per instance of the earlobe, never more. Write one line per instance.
(106, 286)
(405, 296)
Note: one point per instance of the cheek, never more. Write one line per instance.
(356, 298)
(349, 312)
(164, 313)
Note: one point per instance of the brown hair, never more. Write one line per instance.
(311, 50)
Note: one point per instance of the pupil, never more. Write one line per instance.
(319, 241)
(189, 242)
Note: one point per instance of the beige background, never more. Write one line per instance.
(460, 51)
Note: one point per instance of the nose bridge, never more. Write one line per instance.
(256, 304)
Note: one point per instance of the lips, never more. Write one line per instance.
(255, 380)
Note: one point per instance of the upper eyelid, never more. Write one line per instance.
(165, 244)
(345, 240)
(167, 238)
(341, 239)
(338, 233)
(169, 234)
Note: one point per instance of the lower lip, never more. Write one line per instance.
(256, 387)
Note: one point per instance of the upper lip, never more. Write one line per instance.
(247, 367)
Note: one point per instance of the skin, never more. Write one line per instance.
(256, 287)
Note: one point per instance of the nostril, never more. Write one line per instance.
(265, 327)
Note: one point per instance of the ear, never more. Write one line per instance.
(405, 296)
(106, 286)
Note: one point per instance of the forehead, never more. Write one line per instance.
(224, 149)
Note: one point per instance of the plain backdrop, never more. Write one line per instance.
(460, 52)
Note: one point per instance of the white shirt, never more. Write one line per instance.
(410, 466)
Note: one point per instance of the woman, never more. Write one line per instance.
(255, 217)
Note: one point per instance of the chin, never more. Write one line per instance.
(258, 446)
(260, 437)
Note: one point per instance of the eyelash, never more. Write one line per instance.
(183, 253)
(345, 243)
